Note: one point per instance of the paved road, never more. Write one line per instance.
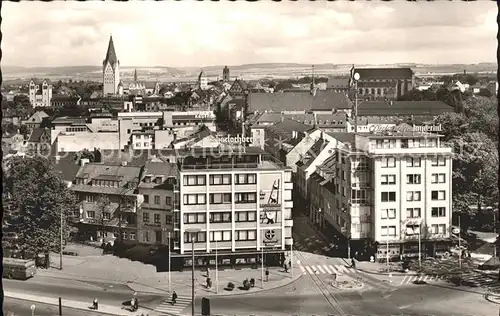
(107, 293)
(15, 307)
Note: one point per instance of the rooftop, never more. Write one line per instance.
(128, 176)
(383, 73)
(407, 108)
(300, 100)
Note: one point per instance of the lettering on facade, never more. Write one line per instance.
(406, 128)
(238, 139)
(203, 116)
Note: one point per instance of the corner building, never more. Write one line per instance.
(241, 202)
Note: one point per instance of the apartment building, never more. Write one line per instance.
(108, 200)
(384, 189)
(155, 217)
(240, 200)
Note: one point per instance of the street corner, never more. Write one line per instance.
(493, 298)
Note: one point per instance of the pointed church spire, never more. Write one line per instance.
(110, 54)
(135, 75)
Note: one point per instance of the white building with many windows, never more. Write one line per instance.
(240, 200)
(387, 188)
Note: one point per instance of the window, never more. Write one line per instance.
(157, 199)
(220, 198)
(243, 235)
(145, 217)
(195, 218)
(388, 196)
(249, 197)
(157, 219)
(389, 213)
(146, 236)
(220, 235)
(132, 235)
(431, 142)
(90, 214)
(438, 161)
(124, 235)
(106, 215)
(412, 196)
(388, 231)
(413, 179)
(358, 196)
(413, 212)
(438, 212)
(168, 219)
(168, 200)
(220, 217)
(386, 143)
(438, 229)
(247, 178)
(438, 195)
(146, 198)
(138, 144)
(415, 143)
(194, 180)
(438, 178)
(220, 179)
(195, 199)
(249, 216)
(388, 179)
(196, 237)
(90, 198)
(388, 162)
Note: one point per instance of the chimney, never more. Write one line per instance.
(84, 161)
(124, 163)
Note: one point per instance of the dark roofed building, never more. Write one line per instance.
(298, 101)
(420, 109)
(338, 84)
(383, 83)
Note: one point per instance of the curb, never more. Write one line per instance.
(488, 298)
(258, 291)
(52, 304)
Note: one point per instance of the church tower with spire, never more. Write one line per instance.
(110, 70)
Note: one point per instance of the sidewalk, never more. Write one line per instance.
(103, 309)
(144, 278)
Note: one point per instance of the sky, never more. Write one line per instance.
(196, 34)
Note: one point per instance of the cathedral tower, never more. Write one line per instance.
(110, 70)
(225, 74)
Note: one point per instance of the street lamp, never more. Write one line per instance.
(169, 261)
(192, 232)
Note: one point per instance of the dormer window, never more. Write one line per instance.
(158, 180)
(147, 179)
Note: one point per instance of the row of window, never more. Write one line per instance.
(157, 218)
(435, 229)
(413, 196)
(413, 178)
(220, 179)
(220, 198)
(157, 200)
(390, 162)
(218, 236)
(412, 212)
(220, 217)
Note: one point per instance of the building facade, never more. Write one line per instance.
(110, 70)
(383, 83)
(240, 203)
(385, 190)
(225, 74)
(40, 93)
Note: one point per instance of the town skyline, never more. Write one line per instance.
(342, 33)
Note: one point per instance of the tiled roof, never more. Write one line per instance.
(315, 150)
(38, 116)
(289, 125)
(383, 73)
(200, 134)
(380, 108)
(67, 166)
(301, 100)
(129, 176)
(39, 81)
(36, 135)
(69, 120)
(337, 82)
(163, 169)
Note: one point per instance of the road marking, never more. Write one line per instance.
(320, 269)
(335, 270)
(404, 280)
(303, 270)
(298, 261)
(342, 268)
(167, 307)
(309, 270)
(327, 269)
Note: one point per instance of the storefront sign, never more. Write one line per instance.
(238, 139)
(406, 128)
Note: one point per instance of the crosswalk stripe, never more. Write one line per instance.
(404, 280)
(326, 269)
(303, 270)
(320, 269)
(309, 270)
(342, 268)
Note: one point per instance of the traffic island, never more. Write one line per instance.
(347, 285)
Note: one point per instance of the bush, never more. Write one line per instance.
(252, 282)
(230, 285)
(246, 285)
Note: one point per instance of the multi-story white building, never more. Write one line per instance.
(387, 188)
(40, 93)
(240, 200)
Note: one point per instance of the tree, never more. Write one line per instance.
(34, 198)
(453, 124)
(482, 115)
(85, 154)
(9, 128)
(103, 212)
(21, 105)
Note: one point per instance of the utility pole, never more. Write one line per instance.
(496, 237)
(169, 265)
(262, 264)
(61, 243)
(459, 242)
(216, 270)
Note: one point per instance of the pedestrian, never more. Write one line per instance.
(353, 263)
(267, 274)
(208, 271)
(132, 304)
(136, 304)
(95, 304)
(209, 283)
(174, 298)
(285, 266)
